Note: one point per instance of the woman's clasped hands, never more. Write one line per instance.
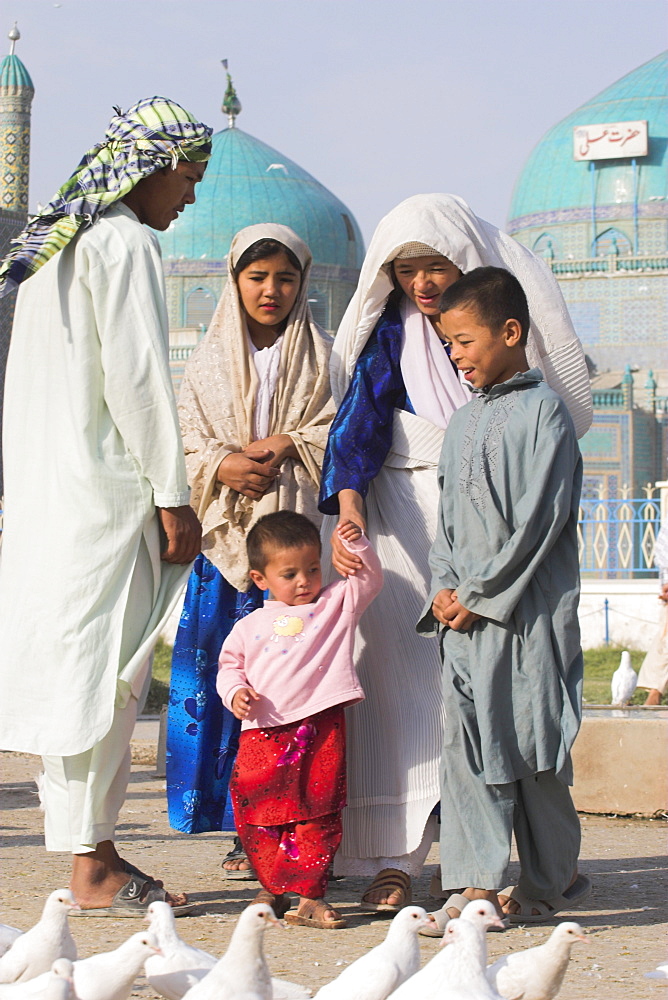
(253, 470)
(449, 612)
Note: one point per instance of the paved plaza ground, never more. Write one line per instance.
(626, 916)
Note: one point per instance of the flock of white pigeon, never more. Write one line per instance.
(42, 963)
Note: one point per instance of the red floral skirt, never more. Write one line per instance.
(288, 787)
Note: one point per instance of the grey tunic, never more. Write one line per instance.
(510, 476)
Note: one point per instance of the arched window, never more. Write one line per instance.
(613, 242)
(200, 305)
(350, 232)
(546, 246)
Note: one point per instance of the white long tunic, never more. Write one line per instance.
(91, 447)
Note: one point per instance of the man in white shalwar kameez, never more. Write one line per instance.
(98, 528)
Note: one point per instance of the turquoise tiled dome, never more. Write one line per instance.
(553, 180)
(247, 182)
(14, 75)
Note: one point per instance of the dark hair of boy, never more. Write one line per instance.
(494, 294)
(281, 530)
(264, 250)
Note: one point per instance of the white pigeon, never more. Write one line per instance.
(624, 681)
(8, 936)
(54, 985)
(461, 960)
(383, 969)
(109, 975)
(35, 951)
(283, 990)
(180, 966)
(661, 972)
(537, 973)
(460, 971)
(242, 973)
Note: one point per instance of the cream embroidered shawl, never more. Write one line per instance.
(216, 413)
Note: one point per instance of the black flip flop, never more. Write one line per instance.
(238, 854)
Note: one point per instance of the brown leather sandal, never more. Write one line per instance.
(390, 880)
(312, 915)
(280, 903)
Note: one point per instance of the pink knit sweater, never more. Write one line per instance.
(300, 659)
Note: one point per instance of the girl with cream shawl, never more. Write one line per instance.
(396, 390)
(255, 408)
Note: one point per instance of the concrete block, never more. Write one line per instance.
(621, 764)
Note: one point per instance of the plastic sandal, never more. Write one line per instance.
(133, 870)
(128, 902)
(456, 901)
(441, 917)
(547, 908)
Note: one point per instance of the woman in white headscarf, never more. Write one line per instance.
(255, 408)
(396, 390)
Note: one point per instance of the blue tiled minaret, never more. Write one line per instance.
(16, 94)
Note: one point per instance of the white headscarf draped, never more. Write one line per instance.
(217, 405)
(447, 224)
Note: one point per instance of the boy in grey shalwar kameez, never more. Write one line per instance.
(504, 596)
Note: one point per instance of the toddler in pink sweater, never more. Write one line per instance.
(286, 670)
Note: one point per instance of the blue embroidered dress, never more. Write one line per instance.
(203, 737)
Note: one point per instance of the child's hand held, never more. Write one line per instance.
(349, 530)
(344, 561)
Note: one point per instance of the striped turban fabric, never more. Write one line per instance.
(154, 133)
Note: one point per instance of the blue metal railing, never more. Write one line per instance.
(616, 538)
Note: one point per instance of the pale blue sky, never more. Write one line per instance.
(378, 100)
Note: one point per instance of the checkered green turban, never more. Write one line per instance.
(154, 133)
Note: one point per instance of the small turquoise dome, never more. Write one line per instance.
(552, 180)
(247, 182)
(14, 76)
